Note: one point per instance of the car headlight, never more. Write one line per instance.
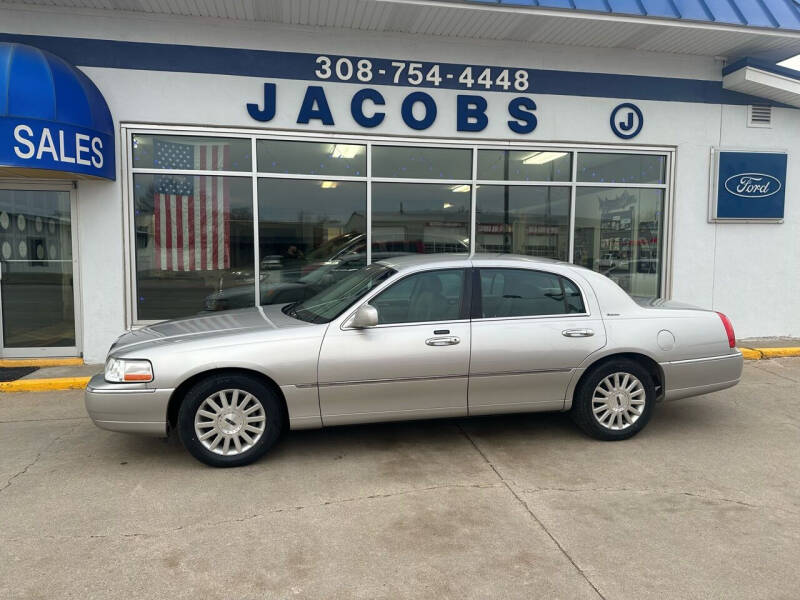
(119, 370)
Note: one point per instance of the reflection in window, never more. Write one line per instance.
(618, 232)
(524, 293)
(36, 284)
(529, 220)
(194, 243)
(621, 168)
(425, 297)
(524, 165)
(311, 235)
(186, 153)
(410, 218)
(421, 162)
(312, 158)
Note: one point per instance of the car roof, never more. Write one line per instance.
(412, 261)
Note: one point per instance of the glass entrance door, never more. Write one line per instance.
(37, 287)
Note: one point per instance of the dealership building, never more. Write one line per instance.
(161, 159)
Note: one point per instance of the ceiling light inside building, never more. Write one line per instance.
(460, 188)
(346, 150)
(328, 185)
(542, 158)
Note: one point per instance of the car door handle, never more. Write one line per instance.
(577, 333)
(445, 340)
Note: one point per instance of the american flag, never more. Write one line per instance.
(191, 212)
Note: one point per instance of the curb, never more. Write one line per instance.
(77, 383)
(762, 353)
(41, 362)
(44, 385)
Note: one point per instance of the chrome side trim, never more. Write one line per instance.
(429, 378)
(526, 372)
(122, 391)
(531, 317)
(392, 380)
(705, 359)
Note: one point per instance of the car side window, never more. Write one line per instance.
(573, 297)
(527, 293)
(422, 297)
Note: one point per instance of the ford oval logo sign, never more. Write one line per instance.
(753, 185)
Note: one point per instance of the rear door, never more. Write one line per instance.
(530, 330)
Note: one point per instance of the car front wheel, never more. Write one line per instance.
(230, 420)
(614, 401)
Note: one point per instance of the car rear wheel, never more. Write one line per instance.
(614, 401)
(230, 420)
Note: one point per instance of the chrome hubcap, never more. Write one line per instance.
(230, 422)
(618, 401)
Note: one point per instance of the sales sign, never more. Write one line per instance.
(749, 186)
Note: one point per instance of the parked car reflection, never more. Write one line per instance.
(299, 277)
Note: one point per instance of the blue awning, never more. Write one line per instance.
(772, 14)
(52, 117)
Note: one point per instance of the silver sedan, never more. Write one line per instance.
(414, 337)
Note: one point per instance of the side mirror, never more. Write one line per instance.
(366, 316)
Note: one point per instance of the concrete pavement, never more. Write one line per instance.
(705, 503)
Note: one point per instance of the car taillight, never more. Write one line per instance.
(726, 322)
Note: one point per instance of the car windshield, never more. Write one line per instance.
(332, 247)
(332, 301)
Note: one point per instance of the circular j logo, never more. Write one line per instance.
(626, 121)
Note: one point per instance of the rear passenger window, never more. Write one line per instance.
(574, 299)
(524, 293)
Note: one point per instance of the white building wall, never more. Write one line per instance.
(744, 270)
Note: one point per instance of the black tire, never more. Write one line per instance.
(582, 411)
(273, 413)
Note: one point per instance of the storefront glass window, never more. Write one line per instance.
(621, 168)
(530, 220)
(313, 201)
(415, 162)
(312, 233)
(618, 232)
(184, 153)
(36, 280)
(194, 243)
(410, 218)
(524, 165)
(311, 158)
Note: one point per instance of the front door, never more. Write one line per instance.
(37, 285)
(531, 330)
(413, 364)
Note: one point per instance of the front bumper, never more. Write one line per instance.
(130, 408)
(685, 378)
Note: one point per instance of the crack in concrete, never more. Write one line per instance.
(665, 491)
(763, 369)
(283, 509)
(529, 510)
(36, 458)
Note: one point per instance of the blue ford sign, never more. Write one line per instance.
(52, 117)
(753, 185)
(750, 185)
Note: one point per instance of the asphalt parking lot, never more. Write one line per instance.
(705, 503)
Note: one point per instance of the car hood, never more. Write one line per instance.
(207, 326)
